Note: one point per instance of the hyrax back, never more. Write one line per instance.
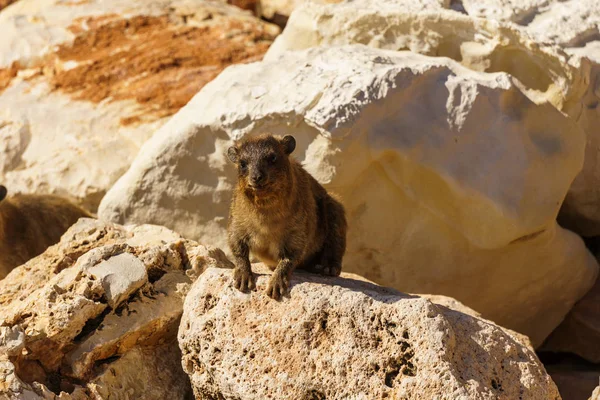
(29, 224)
(282, 215)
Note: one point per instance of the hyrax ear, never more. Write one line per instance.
(289, 144)
(3, 192)
(232, 154)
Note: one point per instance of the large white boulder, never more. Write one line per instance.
(451, 179)
(83, 84)
(514, 36)
(574, 25)
(345, 339)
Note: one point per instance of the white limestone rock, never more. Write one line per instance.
(451, 178)
(120, 276)
(517, 36)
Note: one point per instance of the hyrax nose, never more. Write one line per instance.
(257, 178)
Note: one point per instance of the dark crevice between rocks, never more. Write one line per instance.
(527, 18)
(528, 237)
(155, 273)
(400, 365)
(457, 5)
(58, 383)
(575, 377)
(278, 19)
(30, 371)
(148, 292)
(91, 325)
(185, 259)
(105, 361)
(315, 395)
(496, 384)
(591, 35)
(593, 244)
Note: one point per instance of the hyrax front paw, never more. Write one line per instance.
(328, 270)
(243, 279)
(278, 286)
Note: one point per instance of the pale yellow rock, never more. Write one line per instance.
(451, 178)
(338, 338)
(573, 25)
(492, 44)
(596, 394)
(62, 332)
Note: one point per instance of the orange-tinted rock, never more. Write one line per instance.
(90, 81)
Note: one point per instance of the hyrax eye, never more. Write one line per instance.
(273, 158)
(243, 164)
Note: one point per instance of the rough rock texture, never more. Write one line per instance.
(543, 72)
(401, 138)
(596, 394)
(339, 338)
(271, 9)
(579, 333)
(98, 314)
(494, 44)
(572, 24)
(84, 83)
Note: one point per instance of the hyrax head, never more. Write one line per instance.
(262, 161)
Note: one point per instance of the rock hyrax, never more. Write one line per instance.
(282, 215)
(29, 224)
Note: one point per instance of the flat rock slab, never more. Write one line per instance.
(120, 276)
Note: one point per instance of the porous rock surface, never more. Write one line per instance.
(338, 338)
(96, 315)
(83, 84)
(451, 178)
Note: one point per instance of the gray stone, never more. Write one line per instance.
(120, 275)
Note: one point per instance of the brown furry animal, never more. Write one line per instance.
(29, 224)
(282, 215)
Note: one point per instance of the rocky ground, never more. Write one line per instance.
(461, 136)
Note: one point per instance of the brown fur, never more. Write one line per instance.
(29, 224)
(289, 221)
